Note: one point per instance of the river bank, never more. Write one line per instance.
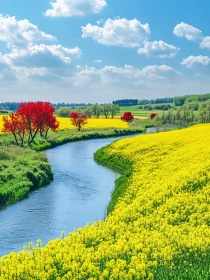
(80, 192)
(21, 171)
(31, 168)
(66, 136)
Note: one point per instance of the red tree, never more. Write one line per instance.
(78, 120)
(30, 119)
(152, 116)
(39, 118)
(16, 125)
(127, 117)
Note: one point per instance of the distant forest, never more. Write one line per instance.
(126, 102)
(181, 100)
(12, 106)
(156, 101)
(178, 101)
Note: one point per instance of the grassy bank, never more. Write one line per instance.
(117, 163)
(138, 112)
(21, 171)
(65, 136)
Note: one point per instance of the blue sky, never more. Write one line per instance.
(100, 50)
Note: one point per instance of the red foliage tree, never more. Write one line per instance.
(16, 125)
(39, 118)
(152, 116)
(78, 120)
(127, 117)
(30, 119)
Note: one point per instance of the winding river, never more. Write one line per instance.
(79, 194)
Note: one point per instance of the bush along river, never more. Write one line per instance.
(80, 193)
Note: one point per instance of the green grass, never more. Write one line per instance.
(21, 170)
(138, 112)
(65, 136)
(5, 112)
(118, 164)
(141, 123)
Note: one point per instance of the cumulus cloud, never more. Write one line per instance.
(162, 71)
(118, 32)
(21, 33)
(69, 8)
(128, 75)
(30, 51)
(190, 32)
(41, 55)
(205, 44)
(159, 49)
(193, 61)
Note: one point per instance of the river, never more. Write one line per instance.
(79, 194)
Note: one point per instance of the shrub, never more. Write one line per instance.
(152, 116)
(127, 117)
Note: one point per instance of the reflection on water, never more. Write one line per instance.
(151, 130)
(79, 194)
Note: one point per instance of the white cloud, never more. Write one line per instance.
(190, 32)
(162, 71)
(97, 61)
(118, 32)
(205, 44)
(103, 85)
(127, 76)
(21, 33)
(41, 55)
(69, 8)
(159, 49)
(193, 61)
(27, 49)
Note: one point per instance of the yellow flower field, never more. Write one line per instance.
(1, 123)
(160, 228)
(92, 123)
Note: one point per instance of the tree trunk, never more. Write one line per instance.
(33, 137)
(16, 139)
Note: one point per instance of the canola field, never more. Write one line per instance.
(92, 123)
(159, 229)
(1, 123)
(65, 123)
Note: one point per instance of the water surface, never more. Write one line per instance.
(79, 194)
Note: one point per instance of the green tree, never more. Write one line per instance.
(96, 110)
(106, 110)
(114, 109)
(89, 111)
(64, 112)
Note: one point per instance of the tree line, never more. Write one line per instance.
(156, 101)
(71, 105)
(197, 98)
(107, 110)
(185, 115)
(11, 106)
(151, 107)
(126, 102)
